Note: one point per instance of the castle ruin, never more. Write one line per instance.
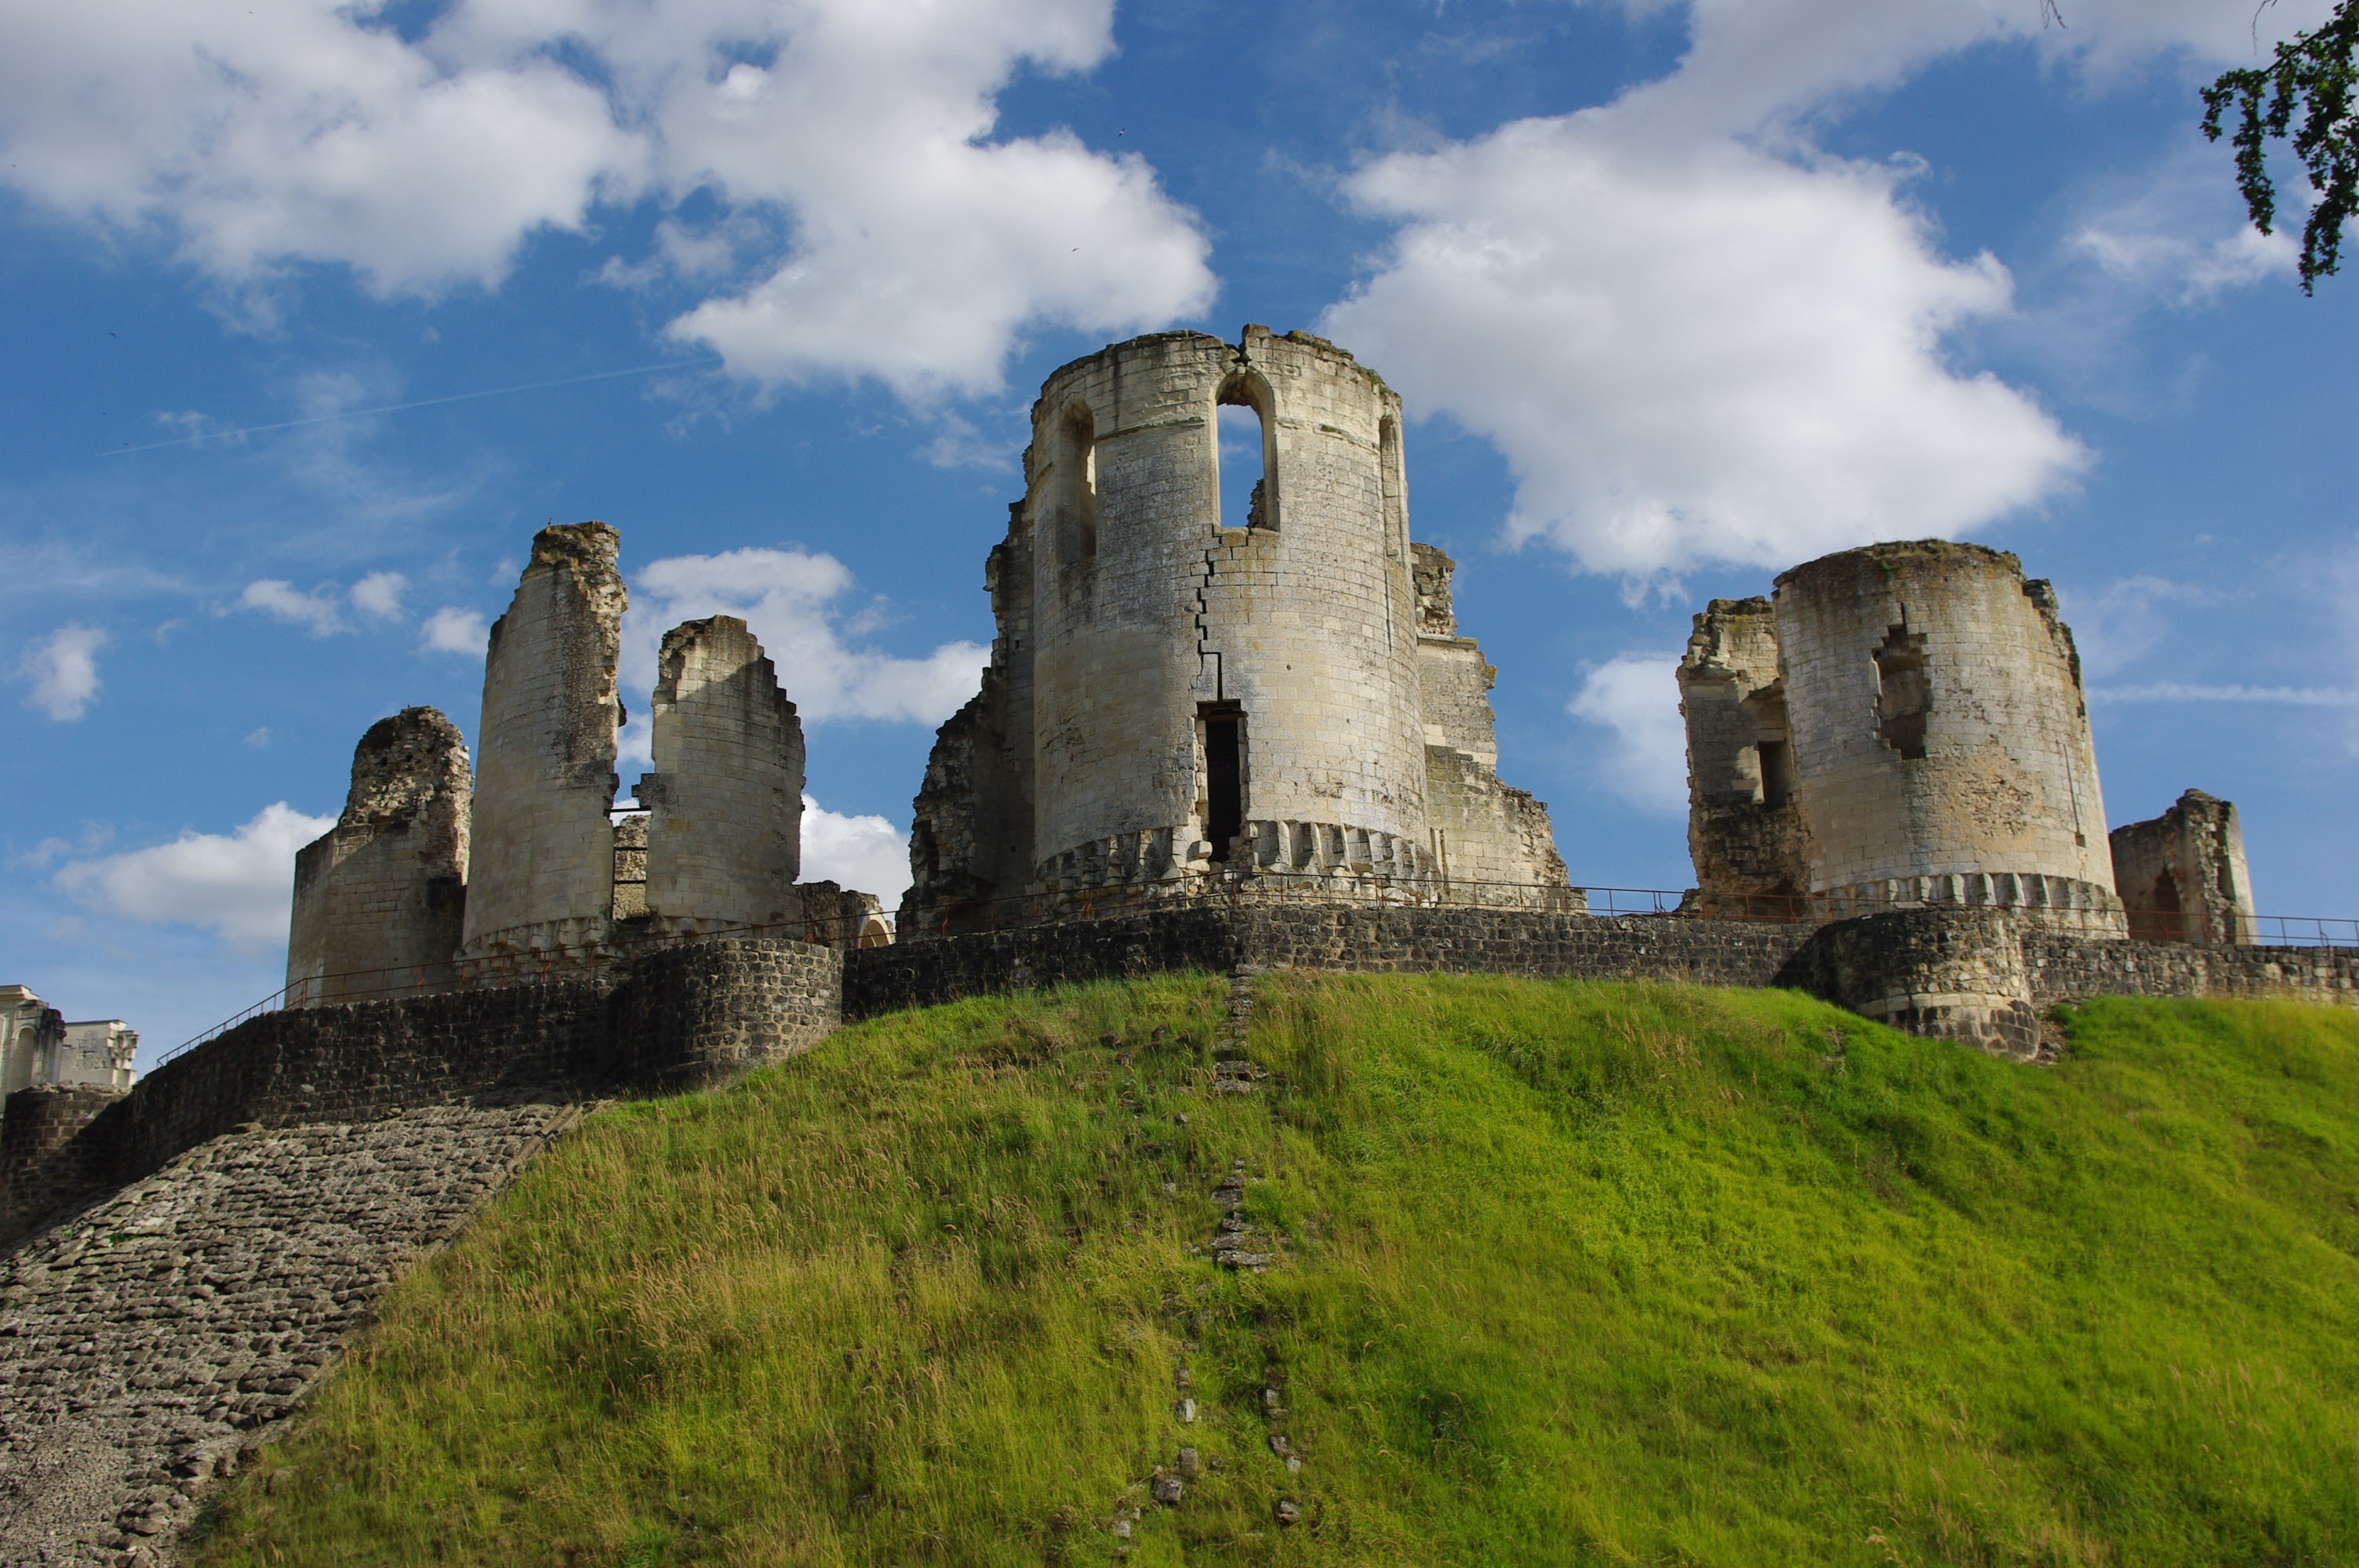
(434, 878)
(1180, 700)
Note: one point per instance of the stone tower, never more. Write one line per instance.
(544, 860)
(2182, 875)
(1899, 725)
(1175, 694)
(725, 805)
(380, 899)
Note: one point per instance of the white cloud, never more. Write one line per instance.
(870, 224)
(450, 630)
(239, 884)
(1690, 350)
(1697, 338)
(1636, 696)
(866, 853)
(2124, 622)
(317, 611)
(792, 600)
(378, 595)
(2176, 691)
(63, 668)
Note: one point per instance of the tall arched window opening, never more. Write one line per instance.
(1248, 487)
(1076, 481)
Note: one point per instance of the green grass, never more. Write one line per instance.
(1578, 1273)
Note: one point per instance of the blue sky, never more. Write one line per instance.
(1678, 295)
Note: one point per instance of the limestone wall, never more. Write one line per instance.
(543, 869)
(724, 829)
(1147, 608)
(1746, 833)
(380, 899)
(2182, 875)
(1940, 732)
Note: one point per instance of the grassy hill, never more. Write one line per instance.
(1568, 1274)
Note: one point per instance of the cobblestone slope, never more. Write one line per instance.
(150, 1339)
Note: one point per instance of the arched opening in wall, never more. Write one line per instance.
(2157, 916)
(1247, 453)
(1903, 695)
(1395, 487)
(1076, 482)
(1221, 729)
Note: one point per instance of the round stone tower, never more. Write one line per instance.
(1210, 691)
(1941, 737)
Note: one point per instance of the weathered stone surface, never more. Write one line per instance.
(1172, 696)
(725, 802)
(1940, 733)
(542, 878)
(1745, 830)
(145, 1343)
(2183, 877)
(380, 899)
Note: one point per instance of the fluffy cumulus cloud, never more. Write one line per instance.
(1696, 337)
(378, 595)
(863, 852)
(1634, 700)
(797, 603)
(319, 612)
(63, 671)
(238, 885)
(868, 222)
(450, 630)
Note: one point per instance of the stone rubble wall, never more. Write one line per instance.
(543, 868)
(725, 802)
(2007, 778)
(380, 899)
(683, 1014)
(1220, 939)
(149, 1341)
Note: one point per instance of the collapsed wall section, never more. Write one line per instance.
(971, 859)
(1940, 735)
(1745, 829)
(724, 803)
(380, 899)
(1488, 840)
(543, 869)
(2182, 876)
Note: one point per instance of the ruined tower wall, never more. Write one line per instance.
(1146, 610)
(1745, 830)
(544, 864)
(1479, 830)
(2182, 874)
(380, 899)
(1940, 733)
(724, 825)
(1121, 501)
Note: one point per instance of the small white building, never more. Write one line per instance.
(39, 1049)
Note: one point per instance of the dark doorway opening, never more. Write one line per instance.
(1776, 773)
(1224, 776)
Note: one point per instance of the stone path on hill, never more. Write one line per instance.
(148, 1341)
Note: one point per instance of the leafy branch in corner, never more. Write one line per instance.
(2313, 76)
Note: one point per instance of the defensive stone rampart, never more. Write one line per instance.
(682, 1015)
